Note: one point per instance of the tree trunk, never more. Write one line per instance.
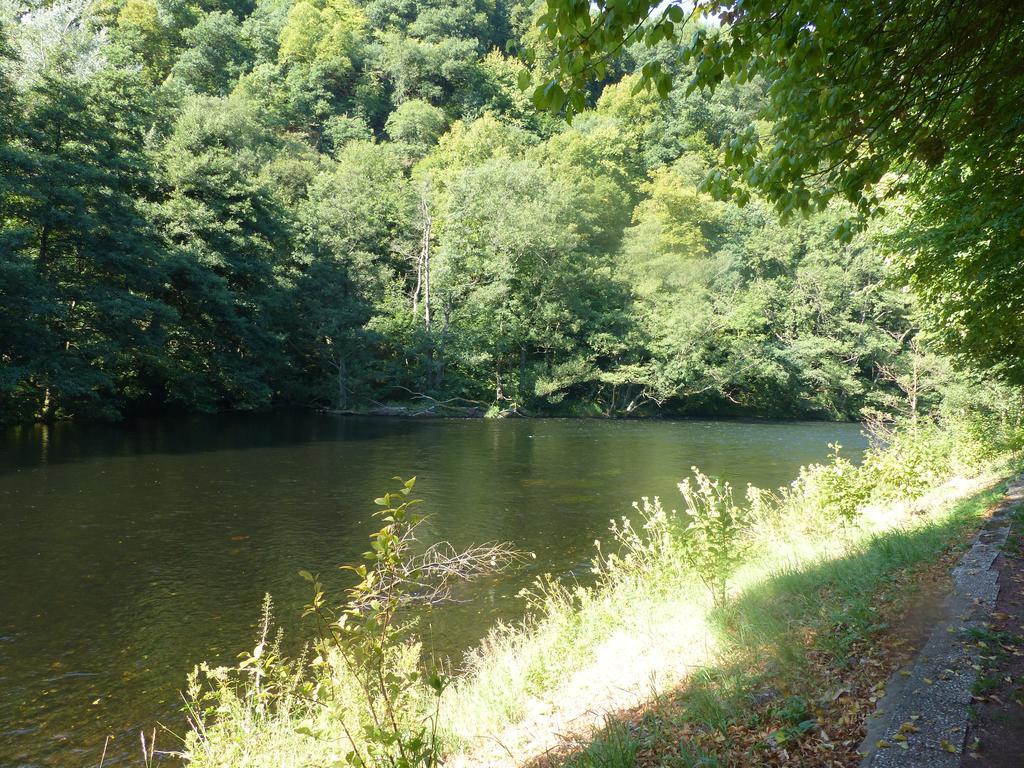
(342, 389)
(419, 284)
(424, 264)
(522, 372)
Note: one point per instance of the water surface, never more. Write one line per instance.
(130, 552)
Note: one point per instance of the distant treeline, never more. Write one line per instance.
(232, 205)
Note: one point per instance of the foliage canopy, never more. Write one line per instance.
(869, 102)
(236, 205)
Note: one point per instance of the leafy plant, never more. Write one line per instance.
(714, 543)
(362, 683)
(364, 636)
(838, 488)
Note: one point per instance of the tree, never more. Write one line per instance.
(674, 218)
(595, 157)
(229, 244)
(357, 233)
(314, 75)
(80, 224)
(468, 144)
(262, 28)
(231, 204)
(443, 71)
(866, 101)
(417, 125)
(142, 31)
(215, 57)
(958, 244)
(734, 312)
(23, 300)
(342, 130)
(324, 32)
(517, 296)
(855, 91)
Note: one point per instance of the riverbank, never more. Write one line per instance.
(426, 407)
(802, 693)
(200, 517)
(821, 561)
(789, 667)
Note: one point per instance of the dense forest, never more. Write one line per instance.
(235, 205)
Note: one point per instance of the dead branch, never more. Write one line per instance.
(429, 578)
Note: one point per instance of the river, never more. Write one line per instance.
(130, 552)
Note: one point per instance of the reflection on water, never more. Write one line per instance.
(130, 552)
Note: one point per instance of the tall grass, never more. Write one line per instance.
(643, 602)
(766, 671)
(694, 593)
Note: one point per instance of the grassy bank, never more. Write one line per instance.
(812, 566)
(729, 615)
(801, 654)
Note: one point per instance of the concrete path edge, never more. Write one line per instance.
(933, 695)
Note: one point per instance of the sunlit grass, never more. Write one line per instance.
(825, 586)
(805, 570)
(633, 624)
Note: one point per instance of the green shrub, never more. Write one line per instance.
(360, 695)
(641, 548)
(908, 460)
(714, 541)
(918, 457)
(838, 488)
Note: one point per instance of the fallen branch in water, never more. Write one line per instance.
(428, 578)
